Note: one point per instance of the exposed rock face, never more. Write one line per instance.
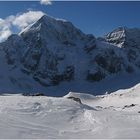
(117, 37)
(52, 51)
(128, 40)
(14, 47)
(97, 75)
(124, 37)
(49, 51)
(109, 61)
(75, 99)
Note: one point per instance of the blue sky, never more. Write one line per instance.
(96, 18)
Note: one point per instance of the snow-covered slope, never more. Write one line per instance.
(107, 116)
(49, 51)
(53, 52)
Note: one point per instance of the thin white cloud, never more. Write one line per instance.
(23, 20)
(5, 31)
(17, 23)
(5, 34)
(46, 2)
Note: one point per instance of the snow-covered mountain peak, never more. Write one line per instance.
(117, 36)
(52, 51)
(124, 37)
(47, 18)
(51, 30)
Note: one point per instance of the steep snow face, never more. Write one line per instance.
(52, 31)
(57, 51)
(60, 52)
(50, 51)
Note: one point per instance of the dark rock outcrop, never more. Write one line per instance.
(75, 99)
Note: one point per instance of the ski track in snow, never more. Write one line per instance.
(105, 116)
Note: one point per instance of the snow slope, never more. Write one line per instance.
(107, 116)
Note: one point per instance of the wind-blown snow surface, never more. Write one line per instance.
(109, 116)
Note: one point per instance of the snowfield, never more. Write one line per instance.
(53, 57)
(115, 115)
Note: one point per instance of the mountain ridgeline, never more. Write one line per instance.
(52, 51)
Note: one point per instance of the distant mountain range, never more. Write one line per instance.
(53, 51)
